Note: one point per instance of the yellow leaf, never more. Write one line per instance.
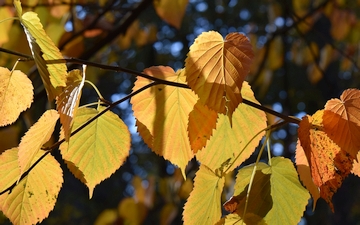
(227, 142)
(231, 219)
(272, 194)
(162, 113)
(172, 11)
(204, 204)
(98, 150)
(9, 168)
(35, 138)
(216, 68)
(42, 48)
(108, 216)
(34, 197)
(202, 121)
(131, 212)
(68, 101)
(16, 95)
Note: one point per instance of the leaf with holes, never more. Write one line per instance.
(216, 68)
(16, 95)
(32, 199)
(98, 150)
(329, 164)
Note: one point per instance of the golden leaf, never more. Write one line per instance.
(16, 95)
(216, 68)
(172, 11)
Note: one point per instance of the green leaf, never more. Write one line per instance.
(204, 203)
(98, 150)
(43, 48)
(231, 141)
(276, 195)
(31, 200)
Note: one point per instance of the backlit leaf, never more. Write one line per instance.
(329, 164)
(34, 197)
(202, 121)
(231, 219)
(35, 138)
(303, 168)
(42, 48)
(98, 150)
(5, 12)
(172, 11)
(16, 95)
(9, 168)
(162, 113)
(216, 69)
(204, 203)
(68, 101)
(272, 194)
(342, 121)
(227, 143)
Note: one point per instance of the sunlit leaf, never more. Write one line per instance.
(35, 138)
(42, 48)
(231, 219)
(227, 144)
(132, 212)
(31, 200)
(98, 150)
(342, 121)
(162, 113)
(272, 194)
(16, 95)
(216, 69)
(202, 121)
(172, 11)
(9, 168)
(68, 101)
(329, 164)
(204, 204)
(303, 168)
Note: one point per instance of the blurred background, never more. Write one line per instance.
(306, 52)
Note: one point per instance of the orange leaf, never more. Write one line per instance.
(162, 113)
(16, 95)
(35, 137)
(356, 166)
(342, 121)
(68, 101)
(216, 69)
(302, 166)
(329, 164)
(172, 11)
(31, 200)
(202, 121)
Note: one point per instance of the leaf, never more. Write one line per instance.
(231, 219)
(342, 121)
(272, 194)
(162, 113)
(31, 200)
(132, 212)
(172, 11)
(303, 169)
(68, 101)
(231, 143)
(5, 12)
(9, 168)
(16, 95)
(329, 164)
(216, 68)
(42, 48)
(202, 121)
(204, 204)
(98, 150)
(35, 138)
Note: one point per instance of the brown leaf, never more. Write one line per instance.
(329, 164)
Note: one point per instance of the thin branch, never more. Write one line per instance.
(25, 57)
(57, 144)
